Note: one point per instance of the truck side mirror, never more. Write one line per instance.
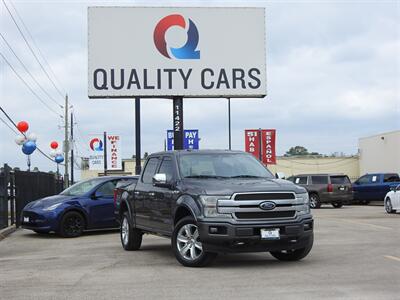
(280, 175)
(160, 179)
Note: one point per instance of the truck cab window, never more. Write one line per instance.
(167, 168)
(150, 170)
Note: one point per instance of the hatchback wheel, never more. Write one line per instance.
(131, 238)
(388, 206)
(72, 225)
(186, 244)
(315, 201)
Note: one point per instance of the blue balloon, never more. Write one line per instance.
(28, 147)
(59, 159)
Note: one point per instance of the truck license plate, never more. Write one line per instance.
(26, 219)
(270, 234)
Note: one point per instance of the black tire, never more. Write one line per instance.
(364, 202)
(293, 255)
(72, 225)
(131, 238)
(337, 204)
(203, 258)
(388, 206)
(315, 202)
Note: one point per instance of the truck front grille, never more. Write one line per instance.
(265, 215)
(264, 196)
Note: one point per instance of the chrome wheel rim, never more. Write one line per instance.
(125, 231)
(187, 242)
(313, 202)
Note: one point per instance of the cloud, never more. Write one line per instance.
(333, 76)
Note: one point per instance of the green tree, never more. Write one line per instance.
(297, 150)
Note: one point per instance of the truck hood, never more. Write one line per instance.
(210, 186)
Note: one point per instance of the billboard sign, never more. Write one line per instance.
(263, 140)
(96, 156)
(191, 139)
(176, 51)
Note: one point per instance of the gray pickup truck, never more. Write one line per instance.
(210, 202)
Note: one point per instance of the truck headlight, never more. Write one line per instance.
(303, 204)
(210, 206)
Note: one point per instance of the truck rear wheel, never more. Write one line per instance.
(293, 255)
(315, 202)
(131, 238)
(187, 246)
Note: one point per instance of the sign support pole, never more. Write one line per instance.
(138, 166)
(260, 144)
(105, 152)
(229, 124)
(178, 122)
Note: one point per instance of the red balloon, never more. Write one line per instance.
(54, 145)
(22, 126)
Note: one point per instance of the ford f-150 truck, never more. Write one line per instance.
(216, 201)
(374, 186)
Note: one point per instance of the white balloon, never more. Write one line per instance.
(20, 139)
(32, 137)
(53, 153)
(59, 152)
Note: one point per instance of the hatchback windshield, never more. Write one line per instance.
(80, 188)
(225, 165)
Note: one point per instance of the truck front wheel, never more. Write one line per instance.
(293, 255)
(186, 244)
(131, 238)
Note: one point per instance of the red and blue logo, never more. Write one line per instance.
(96, 144)
(187, 51)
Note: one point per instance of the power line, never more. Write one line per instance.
(28, 86)
(34, 43)
(5, 123)
(30, 48)
(30, 74)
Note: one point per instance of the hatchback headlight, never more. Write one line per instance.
(210, 206)
(52, 207)
(303, 204)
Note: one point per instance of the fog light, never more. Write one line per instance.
(213, 230)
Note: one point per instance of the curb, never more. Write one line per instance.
(6, 231)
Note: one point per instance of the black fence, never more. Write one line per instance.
(17, 188)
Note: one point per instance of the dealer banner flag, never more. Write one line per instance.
(268, 146)
(252, 142)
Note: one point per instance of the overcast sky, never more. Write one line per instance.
(333, 75)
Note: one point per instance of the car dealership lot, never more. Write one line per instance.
(356, 255)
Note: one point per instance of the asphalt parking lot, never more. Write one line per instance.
(356, 255)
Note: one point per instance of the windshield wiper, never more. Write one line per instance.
(205, 176)
(246, 176)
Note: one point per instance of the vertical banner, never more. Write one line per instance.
(114, 152)
(252, 142)
(268, 146)
(96, 156)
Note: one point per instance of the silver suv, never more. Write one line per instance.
(335, 189)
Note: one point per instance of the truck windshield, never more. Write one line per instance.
(221, 165)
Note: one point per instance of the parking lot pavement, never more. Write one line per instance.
(356, 255)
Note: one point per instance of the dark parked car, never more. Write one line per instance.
(210, 202)
(85, 205)
(374, 186)
(334, 189)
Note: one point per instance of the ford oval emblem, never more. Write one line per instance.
(267, 205)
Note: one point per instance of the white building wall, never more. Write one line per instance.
(380, 153)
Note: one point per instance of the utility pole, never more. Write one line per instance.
(72, 149)
(66, 144)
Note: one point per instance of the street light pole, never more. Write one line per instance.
(229, 124)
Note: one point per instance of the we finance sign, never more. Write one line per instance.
(189, 52)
